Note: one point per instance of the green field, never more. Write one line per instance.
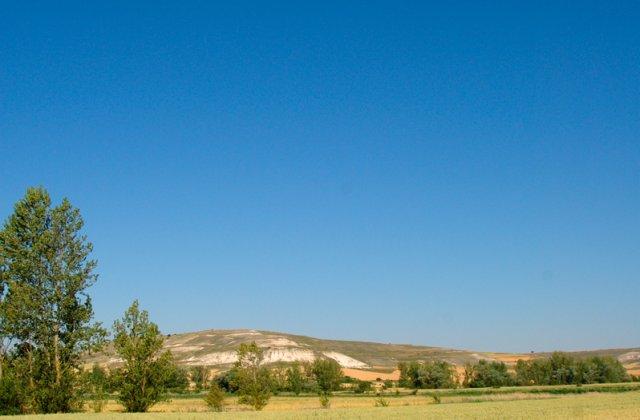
(615, 402)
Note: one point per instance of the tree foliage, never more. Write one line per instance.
(215, 398)
(487, 374)
(328, 375)
(200, 377)
(253, 379)
(562, 369)
(147, 369)
(431, 375)
(45, 310)
(295, 378)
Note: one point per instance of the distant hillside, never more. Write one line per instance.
(216, 348)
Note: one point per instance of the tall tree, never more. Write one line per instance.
(45, 273)
(328, 375)
(147, 368)
(254, 380)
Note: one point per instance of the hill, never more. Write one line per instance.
(366, 360)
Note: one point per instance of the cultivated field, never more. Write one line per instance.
(606, 402)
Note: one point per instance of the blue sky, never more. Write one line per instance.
(463, 175)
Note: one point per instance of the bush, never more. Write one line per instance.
(215, 398)
(228, 381)
(325, 402)
(381, 402)
(361, 387)
(11, 400)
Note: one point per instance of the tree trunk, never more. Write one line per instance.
(30, 358)
(56, 353)
(56, 356)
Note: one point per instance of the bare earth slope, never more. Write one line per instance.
(216, 348)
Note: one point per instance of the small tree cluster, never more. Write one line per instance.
(427, 375)
(486, 374)
(561, 369)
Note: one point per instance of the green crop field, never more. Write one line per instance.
(523, 405)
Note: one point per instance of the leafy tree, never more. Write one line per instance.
(97, 384)
(295, 379)
(45, 271)
(143, 379)
(177, 379)
(563, 368)
(254, 380)
(487, 374)
(215, 398)
(328, 376)
(12, 398)
(228, 380)
(200, 377)
(430, 375)
(362, 386)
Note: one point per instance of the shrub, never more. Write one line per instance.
(11, 399)
(381, 402)
(215, 398)
(361, 387)
(325, 402)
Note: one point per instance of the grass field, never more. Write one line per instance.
(595, 402)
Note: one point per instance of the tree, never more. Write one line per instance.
(215, 398)
(362, 386)
(487, 374)
(328, 375)
(177, 379)
(146, 370)
(45, 271)
(200, 377)
(254, 380)
(295, 379)
(432, 375)
(228, 381)
(97, 384)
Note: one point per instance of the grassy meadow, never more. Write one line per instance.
(589, 401)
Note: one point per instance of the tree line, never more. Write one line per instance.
(557, 369)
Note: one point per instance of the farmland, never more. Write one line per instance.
(531, 402)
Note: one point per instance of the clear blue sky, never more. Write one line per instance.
(460, 175)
